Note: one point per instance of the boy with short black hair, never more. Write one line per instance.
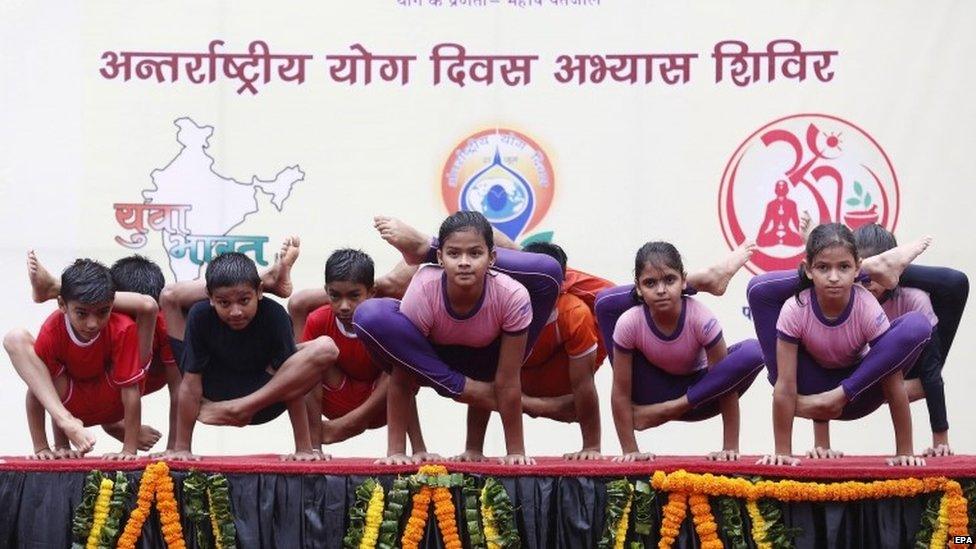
(84, 368)
(352, 394)
(240, 362)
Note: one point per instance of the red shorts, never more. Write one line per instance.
(94, 401)
(349, 395)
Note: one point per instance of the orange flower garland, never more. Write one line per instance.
(701, 512)
(674, 514)
(133, 527)
(169, 514)
(414, 530)
(444, 510)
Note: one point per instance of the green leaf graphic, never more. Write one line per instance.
(867, 200)
(853, 201)
(858, 189)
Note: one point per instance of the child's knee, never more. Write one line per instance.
(372, 312)
(915, 328)
(957, 281)
(17, 340)
(323, 351)
(167, 298)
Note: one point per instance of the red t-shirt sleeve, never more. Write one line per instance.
(45, 346)
(125, 369)
(315, 324)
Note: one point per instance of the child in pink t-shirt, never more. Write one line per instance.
(669, 357)
(836, 355)
(924, 380)
(464, 328)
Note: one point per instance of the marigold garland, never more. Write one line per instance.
(488, 520)
(940, 536)
(619, 496)
(169, 512)
(673, 515)
(499, 516)
(133, 527)
(116, 507)
(374, 516)
(622, 524)
(100, 513)
(357, 514)
(701, 513)
(414, 530)
(81, 522)
(758, 525)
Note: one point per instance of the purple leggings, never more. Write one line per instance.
(394, 341)
(896, 349)
(652, 385)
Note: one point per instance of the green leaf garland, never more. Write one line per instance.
(357, 514)
(472, 513)
(618, 492)
(504, 514)
(81, 523)
(397, 499)
(731, 522)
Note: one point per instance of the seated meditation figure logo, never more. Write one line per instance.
(820, 164)
(782, 222)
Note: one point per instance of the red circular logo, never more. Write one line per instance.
(814, 163)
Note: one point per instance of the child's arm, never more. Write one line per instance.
(173, 380)
(901, 417)
(132, 413)
(313, 409)
(398, 402)
(821, 442)
(191, 391)
(623, 407)
(729, 405)
(587, 406)
(474, 442)
(784, 405)
(417, 445)
(508, 395)
(301, 304)
(298, 415)
(143, 309)
(38, 431)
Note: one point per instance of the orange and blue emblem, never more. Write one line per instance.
(503, 174)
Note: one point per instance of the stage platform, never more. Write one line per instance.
(558, 503)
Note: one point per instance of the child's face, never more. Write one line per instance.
(832, 271)
(660, 287)
(345, 297)
(86, 319)
(466, 258)
(236, 305)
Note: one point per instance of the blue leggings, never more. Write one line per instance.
(394, 341)
(652, 385)
(896, 349)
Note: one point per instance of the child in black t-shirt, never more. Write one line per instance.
(240, 362)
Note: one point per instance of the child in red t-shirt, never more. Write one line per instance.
(352, 395)
(85, 366)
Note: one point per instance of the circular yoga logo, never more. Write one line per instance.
(504, 175)
(816, 164)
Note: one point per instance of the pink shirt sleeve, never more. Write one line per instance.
(416, 304)
(518, 310)
(917, 300)
(705, 325)
(789, 326)
(625, 332)
(874, 321)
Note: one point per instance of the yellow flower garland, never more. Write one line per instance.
(214, 526)
(940, 535)
(374, 516)
(758, 525)
(674, 514)
(488, 523)
(100, 513)
(701, 512)
(621, 535)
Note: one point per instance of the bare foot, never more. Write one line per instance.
(410, 242)
(222, 413)
(822, 406)
(716, 278)
(653, 415)
(806, 224)
(422, 457)
(80, 438)
(43, 285)
(148, 436)
(395, 459)
(277, 279)
(885, 268)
